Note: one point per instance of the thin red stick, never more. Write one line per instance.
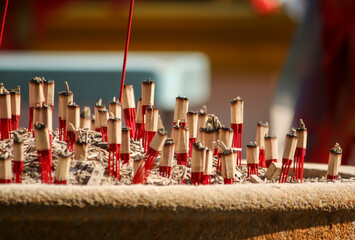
(3, 21)
(126, 49)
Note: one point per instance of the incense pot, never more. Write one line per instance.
(15, 95)
(129, 109)
(166, 159)
(237, 115)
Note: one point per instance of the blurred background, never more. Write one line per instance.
(282, 57)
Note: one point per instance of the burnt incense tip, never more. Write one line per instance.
(336, 149)
(36, 80)
(99, 103)
(86, 112)
(302, 126)
(152, 107)
(265, 124)
(125, 129)
(148, 80)
(17, 137)
(169, 141)
(292, 133)
(72, 105)
(208, 129)
(4, 156)
(203, 110)
(65, 153)
(226, 128)
(48, 81)
(40, 126)
(267, 136)
(214, 122)
(4, 93)
(192, 112)
(252, 144)
(182, 97)
(198, 145)
(16, 90)
(234, 100)
(161, 131)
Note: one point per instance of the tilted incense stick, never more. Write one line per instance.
(271, 149)
(334, 162)
(207, 171)
(300, 153)
(237, 114)
(182, 146)
(18, 157)
(126, 145)
(44, 152)
(252, 158)
(166, 159)
(65, 97)
(149, 159)
(73, 117)
(160, 122)
(114, 140)
(197, 163)
(129, 109)
(85, 118)
(151, 125)
(15, 95)
(36, 97)
(288, 155)
(180, 112)
(98, 106)
(5, 168)
(63, 165)
(5, 115)
(103, 118)
(209, 137)
(225, 136)
(139, 122)
(192, 122)
(262, 130)
(48, 91)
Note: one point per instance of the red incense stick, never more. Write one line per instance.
(207, 172)
(197, 163)
(252, 158)
(5, 115)
(192, 123)
(151, 126)
(237, 109)
(166, 159)
(129, 109)
(3, 21)
(262, 130)
(44, 152)
(334, 162)
(288, 155)
(18, 157)
(126, 145)
(300, 153)
(126, 49)
(15, 107)
(114, 140)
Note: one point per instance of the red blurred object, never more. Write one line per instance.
(264, 7)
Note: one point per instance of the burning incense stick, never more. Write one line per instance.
(192, 122)
(114, 140)
(36, 97)
(225, 136)
(237, 112)
(148, 87)
(197, 163)
(140, 121)
(5, 168)
(73, 118)
(149, 159)
(5, 115)
(44, 152)
(252, 158)
(151, 125)
(209, 137)
(103, 118)
(182, 146)
(81, 145)
(166, 159)
(334, 162)
(65, 97)
(48, 91)
(300, 153)
(262, 130)
(98, 106)
(207, 171)
(18, 157)
(85, 118)
(180, 112)
(126, 145)
(15, 107)
(271, 149)
(129, 109)
(288, 154)
(115, 107)
(228, 159)
(62, 171)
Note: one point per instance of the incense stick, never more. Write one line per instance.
(36, 97)
(48, 91)
(115, 108)
(139, 122)
(252, 158)
(192, 124)
(15, 107)
(72, 124)
(81, 145)
(85, 118)
(126, 48)
(300, 153)
(5, 115)
(207, 171)
(166, 159)
(226, 137)
(18, 157)
(65, 97)
(151, 126)
(288, 154)
(237, 114)
(197, 163)
(5, 168)
(182, 146)
(98, 106)
(129, 109)
(334, 162)
(114, 141)
(180, 112)
(271, 149)
(44, 152)
(126, 145)
(3, 21)
(103, 118)
(63, 165)
(262, 130)
(228, 159)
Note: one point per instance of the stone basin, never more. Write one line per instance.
(261, 211)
